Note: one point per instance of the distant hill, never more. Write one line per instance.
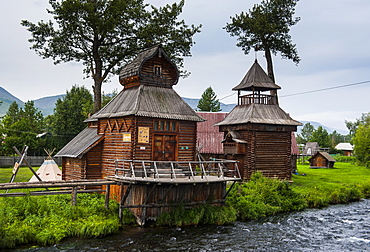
(7, 99)
(47, 104)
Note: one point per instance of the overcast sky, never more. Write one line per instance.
(333, 42)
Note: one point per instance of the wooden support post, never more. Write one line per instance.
(28, 164)
(231, 187)
(123, 199)
(107, 192)
(74, 195)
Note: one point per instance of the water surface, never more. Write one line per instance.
(335, 228)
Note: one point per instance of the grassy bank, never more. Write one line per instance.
(342, 184)
(48, 219)
(260, 197)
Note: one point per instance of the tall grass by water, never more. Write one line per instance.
(46, 220)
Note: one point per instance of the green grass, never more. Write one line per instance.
(24, 174)
(342, 173)
(46, 220)
(344, 183)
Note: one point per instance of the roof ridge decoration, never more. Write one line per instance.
(256, 79)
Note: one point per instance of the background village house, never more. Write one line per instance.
(321, 159)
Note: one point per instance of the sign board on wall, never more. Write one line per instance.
(127, 137)
(143, 136)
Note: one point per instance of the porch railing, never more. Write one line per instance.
(257, 99)
(176, 170)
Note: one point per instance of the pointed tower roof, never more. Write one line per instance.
(258, 113)
(256, 79)
(135, 67)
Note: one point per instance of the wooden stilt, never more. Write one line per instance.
(107, 192)
(74, 195)
(123, 199)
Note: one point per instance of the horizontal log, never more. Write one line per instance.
(44, 193)
(47, 184)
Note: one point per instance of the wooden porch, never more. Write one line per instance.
(150, 188)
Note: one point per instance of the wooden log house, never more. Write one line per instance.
(257, 131)
(143, 131)
(321, 159)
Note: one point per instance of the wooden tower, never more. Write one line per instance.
(257, 131)
(147, 120)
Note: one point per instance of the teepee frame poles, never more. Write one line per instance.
(22, 159)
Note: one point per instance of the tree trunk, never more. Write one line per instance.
(97, 74)
(97, 95)
(270, 71)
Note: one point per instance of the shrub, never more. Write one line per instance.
(49, 219)
(263, 196)
(345, 159)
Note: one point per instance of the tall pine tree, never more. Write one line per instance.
(209, 101)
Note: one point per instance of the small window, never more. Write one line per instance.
(157, 71)
(165, 126)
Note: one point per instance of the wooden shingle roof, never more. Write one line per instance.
(147, 101)
(256, 79)
(325, 155)
(134, 67)
(258, 113)
(80, 144)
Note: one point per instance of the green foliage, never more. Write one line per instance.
(47, 220)
(321, 136)
(361, 142)
(205, 214)
(209, 101)
(263, 196)
(104, 35)
(306, 133)
(20, 126)
(321, 187)
(266, 27)
(345, 159)
(69, 115)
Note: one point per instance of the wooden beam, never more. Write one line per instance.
(107, 192)
(74, 195)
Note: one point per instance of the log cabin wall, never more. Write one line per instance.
(73, 168)
(119, 135)
(94, 162)
(268, 150)
(269, 153)
(164, 75)
(187, 141)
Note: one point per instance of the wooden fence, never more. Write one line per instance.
(63, 187)
(6, 161)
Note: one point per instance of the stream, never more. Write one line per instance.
(343, 227)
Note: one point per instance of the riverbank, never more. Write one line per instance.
(49, 219)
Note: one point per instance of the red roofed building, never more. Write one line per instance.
(209, 137)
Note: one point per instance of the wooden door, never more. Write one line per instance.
(165, 148)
